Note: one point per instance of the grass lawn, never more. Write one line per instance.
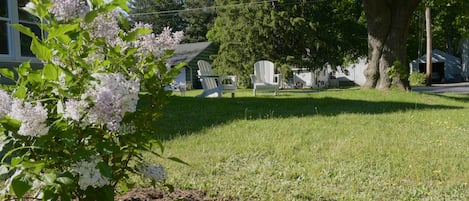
(331, 145)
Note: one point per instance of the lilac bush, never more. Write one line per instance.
(78, 127)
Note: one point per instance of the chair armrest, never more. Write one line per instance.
(210, 76)
(232, 78)
(253, 78)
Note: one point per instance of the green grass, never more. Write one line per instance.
(332, 145)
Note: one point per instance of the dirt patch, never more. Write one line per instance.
(148, 194)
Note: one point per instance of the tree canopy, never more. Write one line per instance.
(291, 33)
(193, 17)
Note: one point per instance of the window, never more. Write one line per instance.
(14, 45)
(30, 21)
(4, 21)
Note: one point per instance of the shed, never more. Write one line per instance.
(445, 67)
(191, 53)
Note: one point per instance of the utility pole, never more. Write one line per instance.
(428, 26)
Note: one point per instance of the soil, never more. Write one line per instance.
(148, 194)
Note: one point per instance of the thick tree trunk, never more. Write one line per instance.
(388, 27)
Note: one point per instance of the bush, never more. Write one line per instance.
(72, 129)
(417, 79)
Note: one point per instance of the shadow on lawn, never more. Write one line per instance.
(461, 98)
(184, 115)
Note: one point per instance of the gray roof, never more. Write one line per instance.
(187, 52)
(439, 56)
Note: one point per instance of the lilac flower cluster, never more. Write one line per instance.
(33, 118)
(154, 172)
(65, 10)
(148, 44)
(88, 174)
(105, 26)
(5, 103)
(111, 95)
(75, 109)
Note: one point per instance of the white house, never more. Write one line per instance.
(305, 78)
(328, 77)
(353, 73)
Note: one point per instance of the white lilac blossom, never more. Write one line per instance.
(5, 103)
(113, 96)
(89, 174)
(75, 109)
(33, 119)
(154, 172)
(65, 10)
(105, 26)
(151, 44)
(169, 40)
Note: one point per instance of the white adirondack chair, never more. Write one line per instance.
(215, 85)
(264, 77)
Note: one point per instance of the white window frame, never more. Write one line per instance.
(14, 43)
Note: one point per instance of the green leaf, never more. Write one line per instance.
(62, 29)
(104, 169)
(157, 143)
(10, 124)
(20, 185)
(50, 72)
(134, 34)
(41, 51)
(178, 160)
(5, 72)
(21, 92)
(91, 15)
(16, 161)
(24, 69)
(3, 171)
(49, 178)
(24, 30)
(35, 78)
(65, 180)
(30, 8)
(37, 166)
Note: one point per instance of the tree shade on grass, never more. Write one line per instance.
(350, 145)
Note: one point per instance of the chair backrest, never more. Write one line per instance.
(264, 71)
(206, 69)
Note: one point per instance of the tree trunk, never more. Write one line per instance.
(388, 27)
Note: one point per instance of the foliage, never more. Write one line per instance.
(417, 79)
(199, 17)
(72, 129)
(195, 17)
(294, 33)
(397, 70)
(449, 25)
(158, 12)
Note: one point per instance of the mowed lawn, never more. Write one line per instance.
(331, 145)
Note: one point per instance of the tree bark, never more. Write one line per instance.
(388, 27)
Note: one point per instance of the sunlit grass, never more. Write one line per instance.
(332, 145)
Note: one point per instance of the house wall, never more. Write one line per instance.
(353, 72)
(304, 78)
